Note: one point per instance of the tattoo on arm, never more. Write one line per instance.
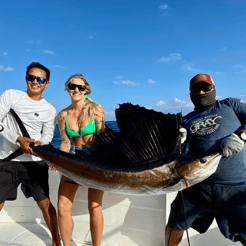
(65, 140)
(100, 123)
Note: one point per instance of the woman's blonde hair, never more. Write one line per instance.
(90, 107)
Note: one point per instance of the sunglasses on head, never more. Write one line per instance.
(73, 86)
(40, 80)
(204, 88)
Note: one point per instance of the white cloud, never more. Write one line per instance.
(174, 106)
(125, 82)
(242, 71)
(190, 67)
(150, 81)
(129, 82)
(163, 7)
(58, 66)
(176, 100)
(219, 97)
(47, 52)
(219, 73)
(5, 53)
(8, 69)
(177, 105)
(238, 66)
(118, 77)
(159, 103)
(110, 115)
(90, 37)
(37, 41)
(172, 57)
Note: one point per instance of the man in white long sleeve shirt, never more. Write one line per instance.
(38, 117)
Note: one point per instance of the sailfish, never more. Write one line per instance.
(143, 158)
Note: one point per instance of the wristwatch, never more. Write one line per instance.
(243, 136)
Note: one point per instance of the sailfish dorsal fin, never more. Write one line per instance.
(144, 136)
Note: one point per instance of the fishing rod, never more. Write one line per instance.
(183, 205)
(186, 228)
(19, 151)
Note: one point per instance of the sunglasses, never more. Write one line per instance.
(73, 86)
(40, 80)
(204, 88)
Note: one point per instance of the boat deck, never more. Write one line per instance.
(128, 221)
(28, 234)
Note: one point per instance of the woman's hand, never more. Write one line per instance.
(53, 169)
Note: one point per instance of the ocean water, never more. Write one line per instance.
(57, 140)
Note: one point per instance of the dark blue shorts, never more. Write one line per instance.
(204, 202)
(33, 177)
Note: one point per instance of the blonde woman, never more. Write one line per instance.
(82, 120)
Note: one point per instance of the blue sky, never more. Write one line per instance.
(143, 52)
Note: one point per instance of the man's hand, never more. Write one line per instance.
(183, 134)
(232, 145)
(25, 144)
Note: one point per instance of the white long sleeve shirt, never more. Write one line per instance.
(38, 118)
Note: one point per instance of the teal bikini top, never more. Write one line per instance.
(86, 130)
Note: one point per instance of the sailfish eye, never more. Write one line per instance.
(203, 160)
